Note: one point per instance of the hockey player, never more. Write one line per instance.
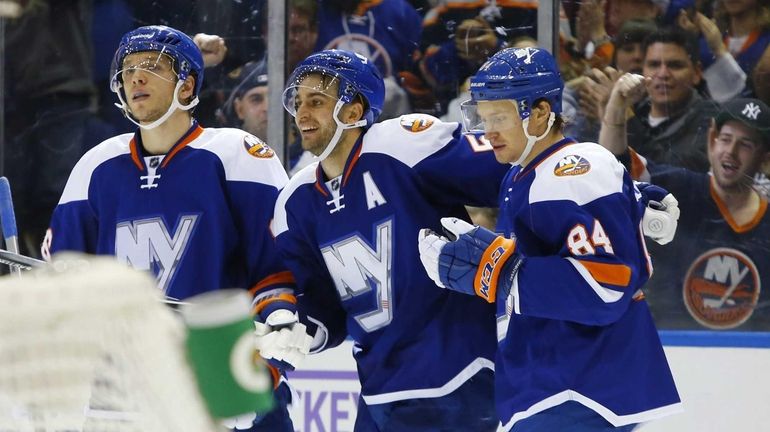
(192, 205)
(578, 350)
(346, 227)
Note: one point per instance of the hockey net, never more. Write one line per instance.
(87, 345)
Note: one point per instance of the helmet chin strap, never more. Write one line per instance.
(338, 132)
(173, 107)
(531, 140)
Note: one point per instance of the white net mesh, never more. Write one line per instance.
(87, 345)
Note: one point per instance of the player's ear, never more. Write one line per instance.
(355, 111)
(186, 91)
(541, 112)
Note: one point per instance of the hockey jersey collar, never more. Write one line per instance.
(137, 150)
(355, 153)
(544, 155)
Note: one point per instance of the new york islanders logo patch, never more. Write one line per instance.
(416, 123)
(572, 165)
(257, 148)
(722, 288)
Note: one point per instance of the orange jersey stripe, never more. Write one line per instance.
(135, 154)
(352, 163)
(194, 134)
(282, 297)
(748, 226)
(637, 165)
(613, 274)
(284, 277)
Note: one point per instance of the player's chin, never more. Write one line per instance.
(503, 155)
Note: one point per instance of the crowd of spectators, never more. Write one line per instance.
(649, 79)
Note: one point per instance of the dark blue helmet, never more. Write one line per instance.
(171, 42)
(523, 74)
(356, 74)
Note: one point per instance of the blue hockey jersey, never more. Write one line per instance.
(351, 243)
(386, 32)
(575, 325)
(198, 217)
(712, 275)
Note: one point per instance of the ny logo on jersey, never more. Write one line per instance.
(358, 269)
(147, 245)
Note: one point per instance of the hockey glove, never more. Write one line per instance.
(661, 214)
(475, 261)
(282, 340)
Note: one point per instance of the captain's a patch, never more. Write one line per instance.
(572, 165)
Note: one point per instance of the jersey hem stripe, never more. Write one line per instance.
(472, 369)
(606, 413)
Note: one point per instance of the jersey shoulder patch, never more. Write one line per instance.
(581, 173)
(416, 123)
(256, 147)
(244, 157)
(572, 165)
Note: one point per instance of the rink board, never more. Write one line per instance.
(723, 379)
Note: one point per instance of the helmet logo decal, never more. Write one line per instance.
(257, 148)
(416, 122)
(722, 288)
(523, 106)
(525, 53)
(572, 165)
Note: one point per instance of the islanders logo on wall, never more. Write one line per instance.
(416, 122)
(572, 165)
(722, 288)
(257, 148)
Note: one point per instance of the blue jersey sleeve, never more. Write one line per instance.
(75, 221)
(464, 171)
(271, 285)
(74, 227)
(584, 259)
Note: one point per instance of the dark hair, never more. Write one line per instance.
(676, 37)
(634, 31)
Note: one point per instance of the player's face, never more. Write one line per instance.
(251, 109)
(736, 153)
(148, 82)
(502, 127)
(673, 75)
(314, 104)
